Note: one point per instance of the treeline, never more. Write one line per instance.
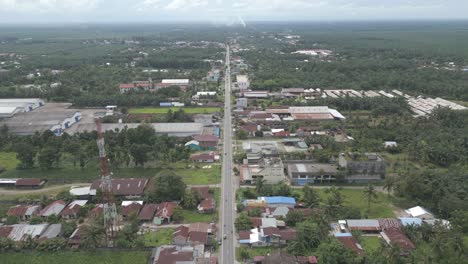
(128, 146)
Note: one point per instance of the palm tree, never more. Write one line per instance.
(370, 193)
(389, 184)
(259, 183)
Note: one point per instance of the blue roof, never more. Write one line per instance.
(279, 200)
(410, 221)
(343, 235)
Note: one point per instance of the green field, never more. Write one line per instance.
(370, 243)
(256, 251)
(162, 110)
(101, 257)
(380, 207)
(69, 174)
(8, 160)
(191, 216)
(158, 238)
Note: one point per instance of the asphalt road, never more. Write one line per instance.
(227, 191)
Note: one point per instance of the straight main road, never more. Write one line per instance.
(228, 189)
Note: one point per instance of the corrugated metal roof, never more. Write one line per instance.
(278, 200)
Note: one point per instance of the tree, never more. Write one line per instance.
(334, 202)
(11, 220)
(178, 215)
(35, 220)
(244, 254)
(256, 212)
(6, 244)
(167, 187)
(48, 156)
(311, 197)
(25, 153)
(389, 184)
(68, 228)
(332, 251)
(93, 235)
(241, 134)
(293, 217)
(370, 193)
(243, 222)
(139, 153)
(191, 199)
(52, 245)
(259, 184)
(308, 238)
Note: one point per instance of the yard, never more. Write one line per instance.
(256, 251)
(70, 174)
(80, 257)
(8, 160)
(195, 217)
(370, 244)
(158, 238)
(164, 110)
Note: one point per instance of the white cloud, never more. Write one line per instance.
(186, 5)
(48, 6)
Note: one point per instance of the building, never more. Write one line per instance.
(310, 173)
(52, 231)
(364, 225)
(272, 202)
(55, 117)
(213, 75)
(349, 242)
(203, 142)
(72, 210)
(194, 234)
(205, 157)
(127, 187)
(207, 204)
(54, 208)
(314, 52)
(183, 84)
(9, 111)
(419, 212)
(394, 236)
(266, 148)
(270, 169)
(157, 213)
(170, 254)
(364, 167)
(267, 236)
(131, 207)
(24, 212)
(255, 94)
(242, 82)
(170, 129)
(23, 104)
(316, 113)
(280, 257)
(30, 183)
(136, 86)
(21, 232)
(82, 193)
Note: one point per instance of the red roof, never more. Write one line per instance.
(71, 210)
(203, 156)
(399, 238)
(207, 204)
(244, 234)
(261, 116)
(5, 231)
(126, 86)
(96, 211)
(125, 186)
(172, 256)
(166, 209)
(206, 138)
(18, 210)
(249, 128)
(199, 237)
(182, 231)
(351, 243)
(203, 191)
(256, 221)
(131, 208)
(29, 182)
(148, 211)
(281, 134)
(288, 234)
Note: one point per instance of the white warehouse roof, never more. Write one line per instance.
(175, 81)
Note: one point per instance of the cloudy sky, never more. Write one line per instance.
(26, 11)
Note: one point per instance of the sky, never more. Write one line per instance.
(226, 11)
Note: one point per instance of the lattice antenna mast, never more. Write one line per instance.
(109, 208)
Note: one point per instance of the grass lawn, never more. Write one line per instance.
(8, 160)
(370, 243)
(194, 217)
(256, 251)
(70, 174)
(163, 110)
(380, 208)
(80, 257)
(158, 238)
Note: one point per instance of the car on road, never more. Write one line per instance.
(224, 237)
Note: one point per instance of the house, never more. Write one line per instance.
(171, 254)
(72, 210)
(82, 193)
(207, 204)
(269, 169)
(390, 144)
(267, 236)
(242, 82)
(272, 202)
(75, 238)
(131, 207)
(394, 236)
(213, 75)
(52, 231)
(164, 212)
(21, 232)
(419, 212)
(207, 141)
(194, 234)
(54, 208)
(127, 187)
(364, 167)
(24, 212)
(250, 129)
(96, 211)
(5, 231)
(310, 173)
(349, 242)
(183, 84)
(147, 212)
(205, 157)
(30, 183)
(364, 225)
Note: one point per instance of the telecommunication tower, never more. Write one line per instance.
(109, 208)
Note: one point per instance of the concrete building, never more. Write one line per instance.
(170, 129)
(25, 104)
(213, 75)
(242, 82)
(55, 117)
(271, 170)
(364, 167)
(127, 187)
(9, 111)
(310, 173)
(306, 113)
